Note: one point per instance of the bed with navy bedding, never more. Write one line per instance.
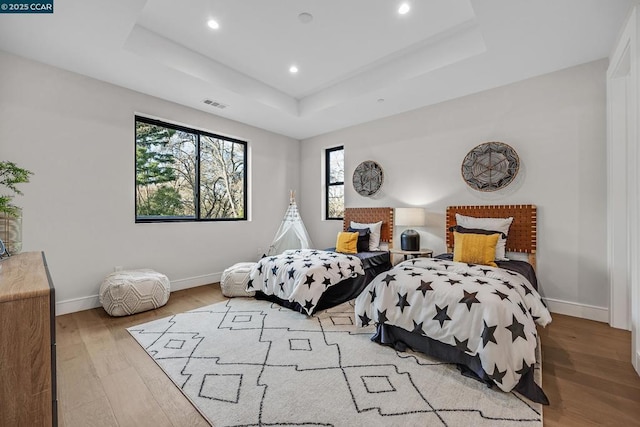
(481, 317)
(309, 280)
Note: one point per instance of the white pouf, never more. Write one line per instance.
(133, 291)
(235, 278)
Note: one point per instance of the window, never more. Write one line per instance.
(335, 182)
(184, 174)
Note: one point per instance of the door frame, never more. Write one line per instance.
(623, 186)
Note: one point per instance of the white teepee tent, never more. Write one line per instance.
(292, 233)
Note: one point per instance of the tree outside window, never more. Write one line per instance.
(187, 175)
(334, 183)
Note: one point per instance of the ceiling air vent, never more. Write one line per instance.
(215, 104)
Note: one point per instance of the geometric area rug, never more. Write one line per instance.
(246, 362)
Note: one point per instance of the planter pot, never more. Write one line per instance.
(11, 232)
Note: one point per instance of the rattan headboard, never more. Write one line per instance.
(369, 216)
(522, 233)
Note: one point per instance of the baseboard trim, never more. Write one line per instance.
(77, 304)
(192, 282)
(584, 311)
(93, 301)
(599, 314)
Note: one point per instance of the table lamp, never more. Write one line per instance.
(410, 217)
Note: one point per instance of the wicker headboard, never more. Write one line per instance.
(522, 233)
(369, 216)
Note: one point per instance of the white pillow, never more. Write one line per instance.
(374, 237)
(492, 224)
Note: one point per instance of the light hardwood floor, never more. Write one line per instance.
(106, 379)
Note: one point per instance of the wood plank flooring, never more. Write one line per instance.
(106, 379)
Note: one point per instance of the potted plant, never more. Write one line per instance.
(10, 214)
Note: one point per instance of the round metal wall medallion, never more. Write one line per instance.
(368, 178)
(490, 166)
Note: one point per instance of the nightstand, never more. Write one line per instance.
(424, 252)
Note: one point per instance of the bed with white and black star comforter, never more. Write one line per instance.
(484, 316)
(302, 275)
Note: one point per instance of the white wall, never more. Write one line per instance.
(555, 122)
(77, 135)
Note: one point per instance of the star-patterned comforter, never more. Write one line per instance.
(302, 275)
(480, 310)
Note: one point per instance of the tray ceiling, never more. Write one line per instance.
(357, 60)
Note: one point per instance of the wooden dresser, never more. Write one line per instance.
(27, 342)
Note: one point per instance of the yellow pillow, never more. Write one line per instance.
(475, 248)
(347, 243)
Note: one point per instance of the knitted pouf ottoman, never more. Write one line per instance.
(234, 280)
(133, 291)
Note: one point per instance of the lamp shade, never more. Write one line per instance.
(411, 217)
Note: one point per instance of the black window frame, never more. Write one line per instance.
(328, 183)
(198, 134)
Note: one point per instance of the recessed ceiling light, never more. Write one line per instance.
(213, 24)
(404, 8)
(305, 17)
(293, 69)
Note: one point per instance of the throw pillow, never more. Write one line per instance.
(364, 235)
(347, 243)
(475, 248)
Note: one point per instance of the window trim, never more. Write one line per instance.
(198, 134)
(328, 183)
